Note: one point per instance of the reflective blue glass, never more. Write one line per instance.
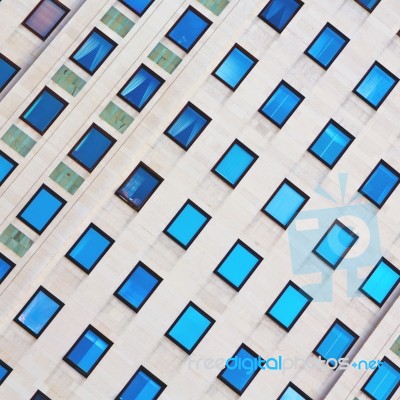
(5, 370)
(93, 51)
(91, 148)
(235, 163)
(138, 6)
(189, 29)
(381, 282)
(291, 394)
(7, 72)
(43, 111)
(369, 4)
(335, 244)
(327, 46)
(5, 267)
(187, 224)
(285, 204)
(238, 265)
(234, 67)
(383, 382)
(278, 13)
(40, 396)
(281, 104)
(141, 88)
(41, 209)
(6, 166)
(380, 184)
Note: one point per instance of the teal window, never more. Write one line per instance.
(7, 166)
(93, 51)
(380, 184)
(381, 282)
(187, 224)
(41, 209)
(376, 85)
(5, 370)
(289, 306)
(44, 110)
(281, 104)
(369, 5)
(139, 285)
(331, 144)
(234, 67)
(278, 13)
(90, 248)
(189, 29)
(238, 265)
(285, 203)
(235, 163)
(7, 71)
(335, 344)
(335, 244)
(88, 351)
(292, 392)
(327, 46)
(142, 386)
(6, 267)
(139, 7)
(384, 381)
(38, 312)
(190, 328)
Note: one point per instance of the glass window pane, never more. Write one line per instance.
(292, 392)
(238, 265)
(7, 166)
(139, 186)
(5, 267)
(138, 287)
(5, 370)
(138, 6)
(89, 249)
(142, 86)
(235, 66)
(187, 126)
(93, 51)
(187, 224)
(40, 396)
(368, 4)
(188, 30)
(41, 209)
(235, 163)
(91, 148)
(278, 13)
(7, 71)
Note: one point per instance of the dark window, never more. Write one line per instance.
(139, 7)
(369, 5)
(292, 392)
(40, 396)
(5, 370)
(7, 71)
(7, 166)
(278, 13)
(6, 267)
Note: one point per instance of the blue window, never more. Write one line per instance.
(336, 343)
(142, 86)
(278, 13)
(238, 265)
(41, 209)
(91, 148)
(289, 306)
(234, 67)
(241, 369)
(235, 163)
(44, 110)
(139, 7)
(88, 351)
(381, 282)
(190, 328)
(38, 312)
(138, 287)
(7, 166)
(187, 126)
(40, 396)
(285, 203)
(383, 382)
(6, 267)
(142, 386)
(189, 29)
(139, 186)
(7, 71)
(5, 370)
(292, 392)
(90, 248)
(335, 244)
(376, 85)
(326, 47)
(187, 224)
(331, 144)
(93, 51)
(380, 184)
(369, 5)
(281, 104)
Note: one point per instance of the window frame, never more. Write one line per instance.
(52, 297)
(366, 8)
(102, 337)
(247, 54)
(13, 65)
(335, 30)
(151, 272)
(11, 161)
(134, 11)
(9, 262)
(41, 394)
(296, 389)
(7, 368)
(104, 133)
